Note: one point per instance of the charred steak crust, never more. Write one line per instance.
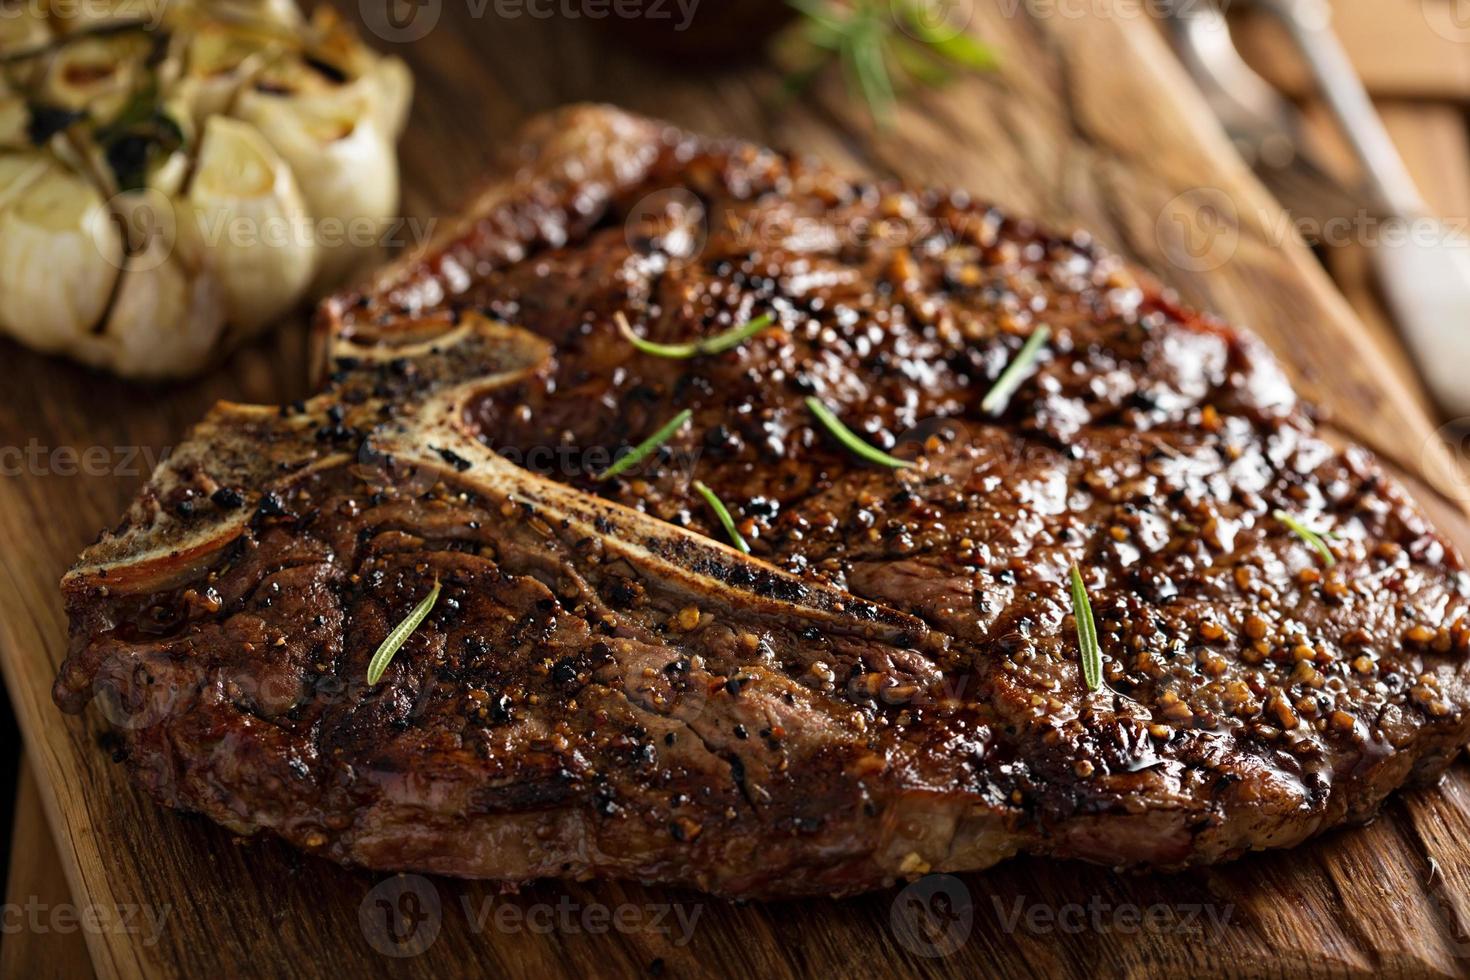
(890, 683)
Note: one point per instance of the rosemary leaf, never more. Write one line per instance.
(866, 37)
(957, 46)
(718, 506)
(869, 66)
(647, 445)
(1308, 535)
(1086, 632)
(400, 635)
(1010, 379)
(717, 344)
(849, 439)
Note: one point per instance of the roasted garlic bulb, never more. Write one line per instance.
(177, 175)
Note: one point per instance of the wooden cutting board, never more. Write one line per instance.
(1401, 48)
(1089, 122)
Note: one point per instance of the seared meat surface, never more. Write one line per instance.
(890, 682)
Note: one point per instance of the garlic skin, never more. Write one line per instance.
(60, 252)
(23, 29)
(178, 175)
(215, 63)
(96, 16)
(248, 226)
(15, 119)
(97, 75)
(394, 96)
(335, 145)
(164, 322)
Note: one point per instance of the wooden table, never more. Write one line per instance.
(1089, 122)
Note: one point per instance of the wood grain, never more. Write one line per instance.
(1089, 122)
(36, 944)
(1434, 140)
(1401, 48)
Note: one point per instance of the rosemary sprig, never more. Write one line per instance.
(870, 37)
(1010, 379)
(718, 506)
(647, 445)
(400, 635)
(849, 439)
(1086, 632)
(1308, 535)
(717, 344)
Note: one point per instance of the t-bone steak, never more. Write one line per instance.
(890, 681)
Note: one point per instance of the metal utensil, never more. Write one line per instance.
(1424, 271)
(1265, 128)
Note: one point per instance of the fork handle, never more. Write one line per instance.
(1425, 276)
(1426, 281)
(1307, 21)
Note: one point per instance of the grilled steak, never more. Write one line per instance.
(890, 682)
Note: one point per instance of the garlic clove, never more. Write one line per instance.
(394, 83)
(23, 29)
(60, 252)
(248, 225)
(101, 74)
(345, 165)
(217, 60)
(166, 322)
(15, 118)
(280, 14)
(70, 18)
